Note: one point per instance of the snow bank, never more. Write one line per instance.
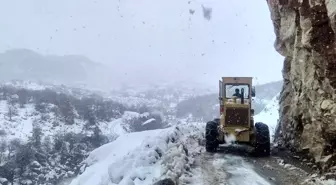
(142, 158)
(269, 115)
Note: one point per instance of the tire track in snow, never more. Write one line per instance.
(225, 169)
(241, 172)
(209, 170)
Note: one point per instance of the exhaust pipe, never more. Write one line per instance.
(242, 95)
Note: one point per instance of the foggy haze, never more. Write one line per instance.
(149, 40)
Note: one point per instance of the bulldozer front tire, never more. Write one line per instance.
(263, 142)
(211, 134)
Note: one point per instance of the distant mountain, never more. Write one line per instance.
(23, 64)
(268, 90)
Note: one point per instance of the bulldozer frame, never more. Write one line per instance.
(236, 117)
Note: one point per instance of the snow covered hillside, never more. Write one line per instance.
(54, 131)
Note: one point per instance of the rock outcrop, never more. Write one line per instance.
(305, 36)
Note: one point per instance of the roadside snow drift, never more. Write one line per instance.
(142, 158)
(269, 115)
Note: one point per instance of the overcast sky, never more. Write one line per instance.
(150, 39)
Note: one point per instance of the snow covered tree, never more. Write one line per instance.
(4, 93)
(92, 130)
(11, 111)
(47, 145)
(7, 171)
(36, 137)
(13, 99)
(23, 97)
(24, 156)
(13, 146)
(3, 149)
(41, 107)
(67, 111)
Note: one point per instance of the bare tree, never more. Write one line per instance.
(3, 148)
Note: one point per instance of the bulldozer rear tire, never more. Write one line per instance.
(263, 142)
(211, 134)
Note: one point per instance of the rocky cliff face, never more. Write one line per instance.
(305, 36)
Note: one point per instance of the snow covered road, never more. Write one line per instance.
(225, 169)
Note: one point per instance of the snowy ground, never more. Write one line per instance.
(225, 169)
(269, 115)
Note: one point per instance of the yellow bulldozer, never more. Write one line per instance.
(235, 123)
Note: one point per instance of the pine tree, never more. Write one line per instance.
(36, 137)
(92, 129)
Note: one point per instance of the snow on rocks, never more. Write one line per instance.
(143, 158)
(3, 181)
(316, 180)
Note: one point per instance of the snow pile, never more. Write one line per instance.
(269, 115)
(142, 158)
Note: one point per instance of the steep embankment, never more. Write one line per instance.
(143, 158)
(305, 36)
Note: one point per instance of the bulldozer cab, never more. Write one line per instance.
(230, 86)
(236, 114)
